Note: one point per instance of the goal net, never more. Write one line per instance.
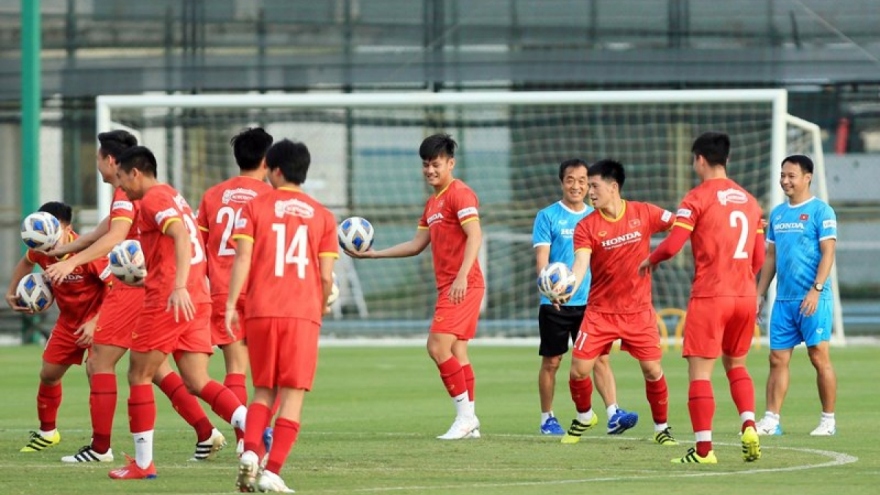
(365, 162)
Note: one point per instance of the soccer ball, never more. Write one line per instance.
(34, 292)
(334, 292)
(127, 262)
(40, 231)
(556, 282)
(355, 234)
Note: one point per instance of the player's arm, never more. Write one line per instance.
(406, 249)
(668, 248)
(542, 257)
(581, 265)
(325, 263)
(768, 270)
(116, 233)
(827, 248)
(22, 268)
(202, 221)
(84, 240)
(241, 268)
(180, 299)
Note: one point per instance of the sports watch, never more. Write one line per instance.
(818, 287)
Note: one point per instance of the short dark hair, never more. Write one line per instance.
(573, 162)
(713, 146)
(292, 157)
(609, 170)
(436, 145)
(139, 157)
(59, 210)
(249, 147)
(113, 143)
(803, 161)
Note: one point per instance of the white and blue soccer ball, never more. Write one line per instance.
(556, 282)
(355, 234)
(127, 262)
(40, 231)
(334, 292)
(34, 292)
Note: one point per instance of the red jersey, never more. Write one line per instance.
(159, 208)
(617, 246)
(725, 220)
(444, 215)
(80, 295)
(126, 210)
(220, 208)
(290, 231)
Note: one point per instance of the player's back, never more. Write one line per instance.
(220, 208)
(291, 231)
(725, 220)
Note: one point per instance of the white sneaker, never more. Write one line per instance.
(461, 428)
(86, 454)
(768, 426)
(827, 427)
(248, 466)
(206, 450)
(271, 482)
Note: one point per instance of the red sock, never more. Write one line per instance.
(258, 417)
(742, 390)
(221, 399)
(658, 398)
(701, 404)
(141, 408)
(453, 377)
(48, 402)
(284, 438)
(237, 383)
(469, 380)
(581, 394)
(102, 407)
(186, 405)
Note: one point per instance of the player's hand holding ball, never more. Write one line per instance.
(556, 282)
(355, 236)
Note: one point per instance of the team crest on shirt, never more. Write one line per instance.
(602, 233)
(293, 207)
(732, 196)
(238, 195)
(804, 217)
(635, 222)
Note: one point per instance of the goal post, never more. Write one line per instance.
(365, 162)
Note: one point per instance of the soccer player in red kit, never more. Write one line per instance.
(176, 313)
(450, 223)
(286, 242)
(723, 222)
(118, 315)
(79, 297)
(610, 241)
(220, 208)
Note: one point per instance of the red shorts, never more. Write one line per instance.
(61, 347)
(637, 331)
(458, 319)
(283, 352)
(156, 330)
(119, 314)
(218, 322)
(719, 325)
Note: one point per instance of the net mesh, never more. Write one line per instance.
(365, 162)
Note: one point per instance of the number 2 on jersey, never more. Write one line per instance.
(231, 216)
(294, 253)
(736, 218)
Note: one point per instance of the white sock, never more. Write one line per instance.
(462, 405)
(747, 416)
(828, 416)
(238, 417)
(771, 415)
(143, 448)
(585, 417)
(658, 427)
(48, 434)
(611, 410)
(472, 405)
(703, 436)
(545, 416)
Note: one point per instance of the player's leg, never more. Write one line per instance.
(234, 351)
(103, 393)
(736, 341)
(580, 386)
(466, 329)
(209, 440)
(143, 364)
(657, 393)
(784, 336)
(554, 333)
(817, 334)
(48, 402)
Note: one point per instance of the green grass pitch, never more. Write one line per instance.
(369, 427)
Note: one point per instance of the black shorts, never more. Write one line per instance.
(558, 328)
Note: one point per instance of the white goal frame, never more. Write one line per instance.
(777, 98)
